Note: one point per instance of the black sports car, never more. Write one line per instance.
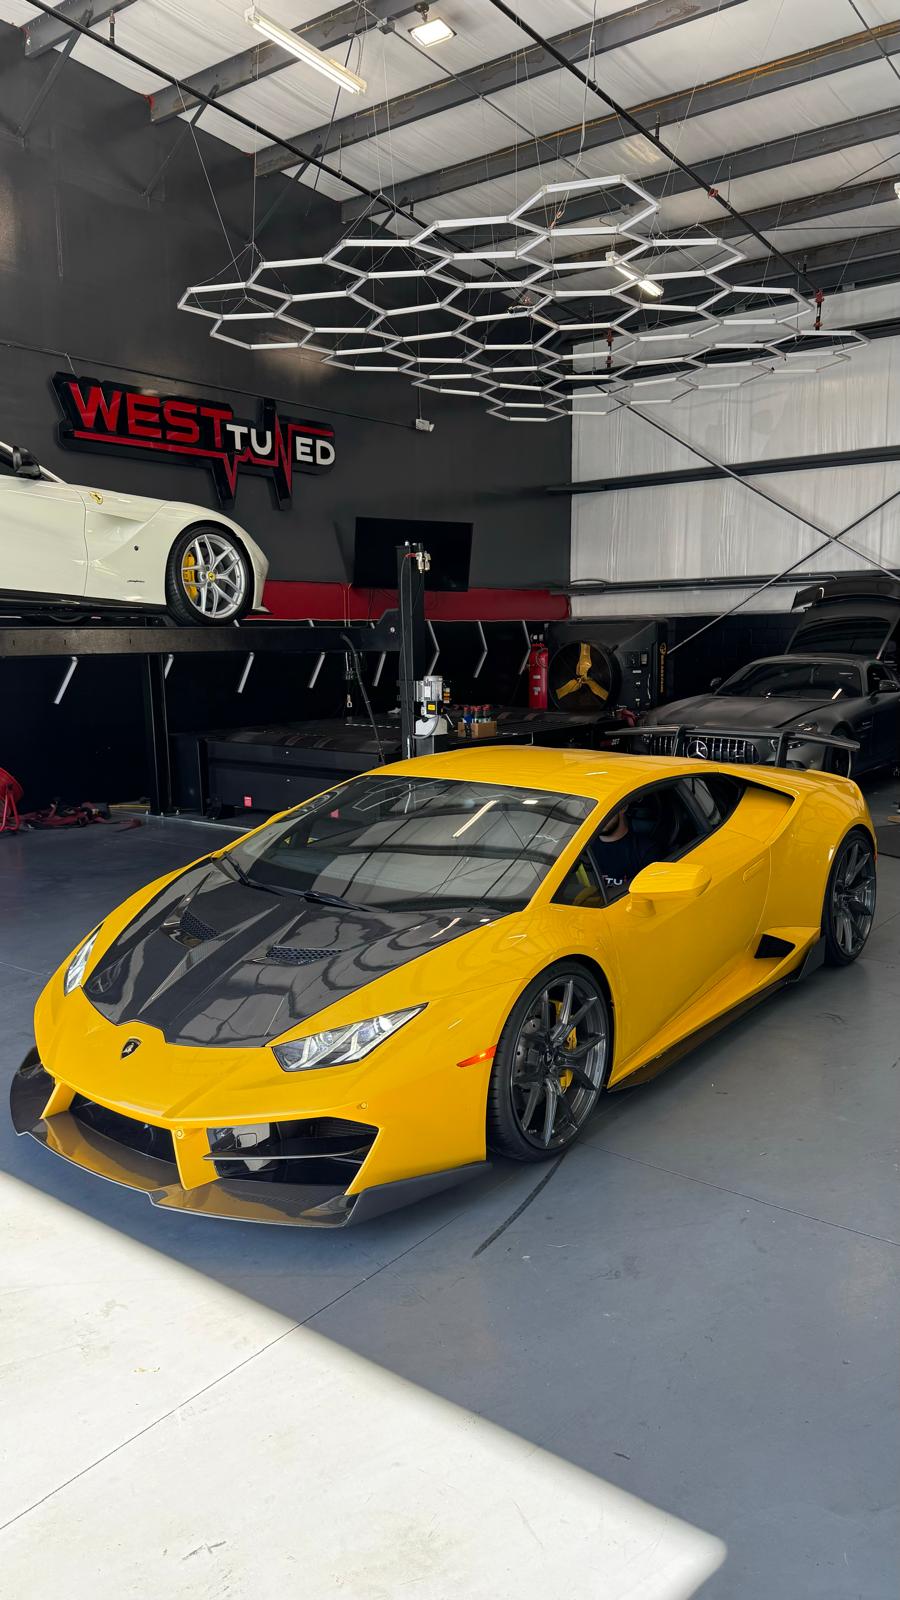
(834, 680)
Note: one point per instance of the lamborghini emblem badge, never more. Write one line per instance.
(98, 498)
(129, 1047)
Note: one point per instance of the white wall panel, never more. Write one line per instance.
(721, 530)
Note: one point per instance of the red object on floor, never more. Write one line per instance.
(340, 602)
(10, 795)
(538, 665)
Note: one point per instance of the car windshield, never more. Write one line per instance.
(6, 465)
(795, 680)
(401, 842)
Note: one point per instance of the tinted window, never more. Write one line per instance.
(660, 825)
(800, 680)
(581, 886)
(389, 841)
(878, 675)
(6, 470)
(714, 797)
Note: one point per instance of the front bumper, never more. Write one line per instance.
(235, 1199)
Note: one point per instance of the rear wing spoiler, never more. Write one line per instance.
(685, 736)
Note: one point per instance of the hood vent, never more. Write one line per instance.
(289, 955)
(197, 929)
(188, 930)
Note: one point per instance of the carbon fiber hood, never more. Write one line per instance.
(214, 962)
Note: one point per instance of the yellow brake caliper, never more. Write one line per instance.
(565, 1078)
(188, 574)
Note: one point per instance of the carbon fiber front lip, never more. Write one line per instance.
(234, 1200)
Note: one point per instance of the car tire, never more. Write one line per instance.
(545, 1083)
(204, 602)
(849, 907)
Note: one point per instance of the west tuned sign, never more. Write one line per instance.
(114, 418)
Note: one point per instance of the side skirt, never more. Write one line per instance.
(651, 1069)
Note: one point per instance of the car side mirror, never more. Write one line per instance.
(24, 464)
(716, 683)
(666, 881)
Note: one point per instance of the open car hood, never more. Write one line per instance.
(846, 616)
(210, 961)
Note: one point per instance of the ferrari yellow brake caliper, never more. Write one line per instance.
(188, 573)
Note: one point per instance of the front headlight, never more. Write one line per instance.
(339, 1046)
(807, 727)
(75, 970)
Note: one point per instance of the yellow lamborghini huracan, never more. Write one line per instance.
(349, 1007)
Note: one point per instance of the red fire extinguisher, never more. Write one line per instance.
(538, 662)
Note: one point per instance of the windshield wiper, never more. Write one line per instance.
(314, 896)
(245, 878)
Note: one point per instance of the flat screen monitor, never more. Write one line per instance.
(375, 552)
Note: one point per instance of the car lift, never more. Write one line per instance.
(159, 645)
(404, 633)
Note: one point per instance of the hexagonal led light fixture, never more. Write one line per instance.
(233, 302)
(788, 304)
(554, 196)
(275, 336)
(489, 306)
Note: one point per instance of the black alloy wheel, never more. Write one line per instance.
(550, 1064)
(849, 909)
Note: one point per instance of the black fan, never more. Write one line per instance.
(584, 677)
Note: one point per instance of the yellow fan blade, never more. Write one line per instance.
(595, 688)
(567, 688)
(584, 661)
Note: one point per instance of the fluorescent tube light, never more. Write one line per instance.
(649, 285)
(307, 53)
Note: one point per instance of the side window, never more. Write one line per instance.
(581, 886)
(6, 470)
(657, 824)
(878, 675)
(714, 797)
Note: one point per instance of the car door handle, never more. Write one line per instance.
(754, 868)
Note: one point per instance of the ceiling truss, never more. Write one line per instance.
(624, 27)
(733, 90)
(870, 257)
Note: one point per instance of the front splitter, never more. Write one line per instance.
(231, 1199)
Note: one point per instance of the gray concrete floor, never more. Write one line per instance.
(668, 1370)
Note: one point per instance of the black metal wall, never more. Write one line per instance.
(91, 268)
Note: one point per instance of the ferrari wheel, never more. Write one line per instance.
(550, 1064)
(208, 578)
(849, 909)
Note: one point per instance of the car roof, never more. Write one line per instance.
(596, 774)
(822, 657)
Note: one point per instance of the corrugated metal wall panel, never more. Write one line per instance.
(721, 529)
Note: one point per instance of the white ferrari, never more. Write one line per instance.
(61, 543)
